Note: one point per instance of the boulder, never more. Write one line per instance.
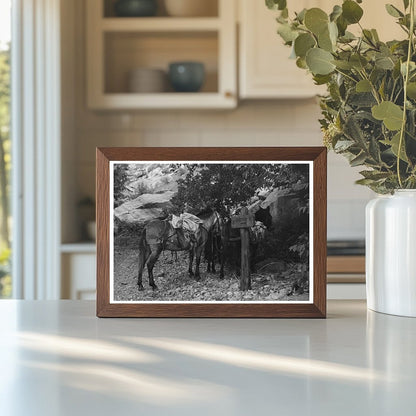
(144, 208)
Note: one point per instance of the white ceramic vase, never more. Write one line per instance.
(391, 253)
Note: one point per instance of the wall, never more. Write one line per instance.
(255, 123)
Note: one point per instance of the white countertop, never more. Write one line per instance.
(57, 358)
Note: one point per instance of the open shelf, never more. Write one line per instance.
(167, 100)
(126, 51)
(211, 9)
(160, 24)
(87, 247)
(119, 45)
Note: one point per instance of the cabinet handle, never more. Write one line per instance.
(229, 94)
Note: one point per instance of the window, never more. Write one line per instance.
(5, 147)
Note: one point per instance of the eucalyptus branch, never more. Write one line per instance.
(404, 28)
(369, 40)
(385, 94)
(373, 88)
(398, 95)
(342, 49)
(406, 80)
(346, 75)
(392, 91)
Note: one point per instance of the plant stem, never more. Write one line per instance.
(346, 75)
(373, 88)
(406, 80)
(392, 91)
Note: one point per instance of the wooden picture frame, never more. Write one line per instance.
(315, 157)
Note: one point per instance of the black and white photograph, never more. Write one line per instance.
(210, 232)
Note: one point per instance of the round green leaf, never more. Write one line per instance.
(303, 43)
(325, 42)
(347, 37)
(333, 32)
(363, 86)
(403, 66)
(301, 63)
(384, 62)
(393, 11)
(316, 20)
(391, 114)
(319, 61)
(287, 33)
(351, 11)
(358, 61)
(411, 90)
(336, 12)
(322, 79)
(301, 15)
(375, 35)
(276, 4)
(344, 65)
(328, 38)
(342, 25)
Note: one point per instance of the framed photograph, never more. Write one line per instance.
(211, 232)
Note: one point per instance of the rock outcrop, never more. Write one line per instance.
(144, 208)
(148, 193)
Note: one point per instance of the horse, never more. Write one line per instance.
(212, 222)
(160, 235)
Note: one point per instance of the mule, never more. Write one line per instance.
(160, 235)
(212, 222)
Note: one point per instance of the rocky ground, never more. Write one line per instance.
(171, 277)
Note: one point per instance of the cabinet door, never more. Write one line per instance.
(265, 68)
(78, 276)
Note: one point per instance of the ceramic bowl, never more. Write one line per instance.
(135, 8)
(147, 80)
(186, 76)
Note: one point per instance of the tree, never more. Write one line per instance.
(227, 187)
(5, 162)
(5, 159)
(120, 176)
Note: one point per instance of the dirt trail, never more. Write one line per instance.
(171, 277)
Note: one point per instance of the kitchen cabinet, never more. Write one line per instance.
(346, 277)
(265, 70)
(118, 45)
(78, 263)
